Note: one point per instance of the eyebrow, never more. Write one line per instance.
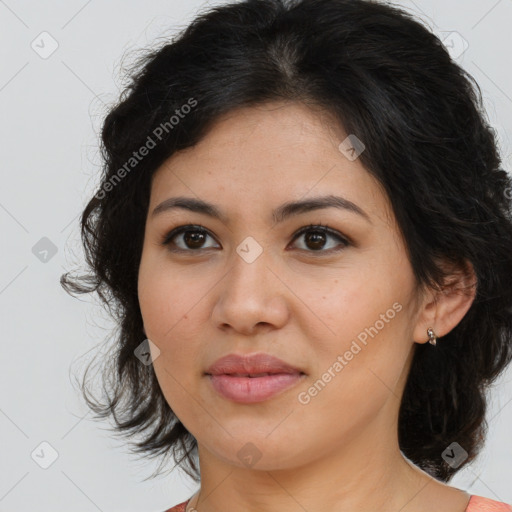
(280, 214)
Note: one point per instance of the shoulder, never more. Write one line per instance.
(481, 504)
(181, 507)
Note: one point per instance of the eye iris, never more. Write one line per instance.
(317, 238)
(194, 238)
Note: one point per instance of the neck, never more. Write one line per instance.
(367, 472)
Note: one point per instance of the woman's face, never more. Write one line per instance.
(343, 312)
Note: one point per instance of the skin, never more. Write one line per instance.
(339, 451)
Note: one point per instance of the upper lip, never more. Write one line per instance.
(250, 364)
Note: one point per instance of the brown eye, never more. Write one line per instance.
(316, 238)
(190, 238)
(194, 239)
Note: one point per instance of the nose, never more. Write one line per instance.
(251, 297)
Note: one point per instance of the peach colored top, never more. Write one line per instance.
(476, 504)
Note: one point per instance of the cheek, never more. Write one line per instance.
(166, 305)
(366, 344)
(164, 298)
(354, 382)
(173, 313)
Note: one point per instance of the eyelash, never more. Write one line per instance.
(321, 228)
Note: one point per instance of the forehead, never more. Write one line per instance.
(267, 155)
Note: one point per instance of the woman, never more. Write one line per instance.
(304, 233)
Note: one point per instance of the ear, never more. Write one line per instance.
(443, 310)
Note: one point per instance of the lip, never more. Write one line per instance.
(250, 364)
(238, 378)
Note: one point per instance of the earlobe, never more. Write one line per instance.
(443, 310)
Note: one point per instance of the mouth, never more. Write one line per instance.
(252, 378)
(252, 388)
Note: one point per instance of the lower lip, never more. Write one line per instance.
(249, 390)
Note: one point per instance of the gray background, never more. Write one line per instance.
(51, 111)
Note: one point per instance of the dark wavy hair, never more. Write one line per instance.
(385, 78)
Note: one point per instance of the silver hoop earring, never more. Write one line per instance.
(431, 336)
